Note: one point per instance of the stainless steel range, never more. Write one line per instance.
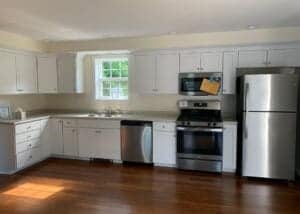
(199, 135)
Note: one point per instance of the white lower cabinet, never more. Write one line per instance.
(99, 143)
(164, 144)
(229, 146)
(45, 138)
(87, 142)
(70, 143)
(56, 129)
(109, 145)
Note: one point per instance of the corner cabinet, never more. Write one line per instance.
(70, 77)
(157, 73)
(26, 73)
(47, 74)
(8, 83)
(229, 146)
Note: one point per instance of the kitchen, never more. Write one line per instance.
(103, 106)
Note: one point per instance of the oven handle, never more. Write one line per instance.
(181, 128)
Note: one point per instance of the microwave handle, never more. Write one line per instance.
(197, 129)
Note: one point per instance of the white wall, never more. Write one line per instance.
(187, 40)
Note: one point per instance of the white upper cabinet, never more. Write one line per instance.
(8, 83)
(211, 62)
(167, 73)
(229, 72)
(157, 74)
(189, 62)
(26, 73)
(284, 57)
(252, 58)
(201, 62)
(69, 79)
(145, 66)
(47, 74)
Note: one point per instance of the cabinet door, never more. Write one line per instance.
(7, 73)
(26, 73)
(229, 72)
(46, 139)
(145, 70)
(252, 58)
(66, 73)
(109, 145)
(211, 62)
(57, 136)
(87, 142)
(189, 62)
(47, 75)
(284, 57)
(70, 141)
(164, 147)
(167, 73)
(229, 147)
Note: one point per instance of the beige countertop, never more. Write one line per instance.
(147, 116)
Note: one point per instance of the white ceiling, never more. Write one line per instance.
(92, 19)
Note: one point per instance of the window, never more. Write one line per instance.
(111, 78)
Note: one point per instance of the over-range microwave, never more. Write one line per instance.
(200, 83)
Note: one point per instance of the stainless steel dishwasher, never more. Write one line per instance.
(136, 141)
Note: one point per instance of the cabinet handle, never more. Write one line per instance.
(20, 90)
(74, 130)
(98, 132)
(29, 127)
(29, 145)
(29, 136)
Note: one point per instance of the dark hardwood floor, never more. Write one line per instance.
(70, 186)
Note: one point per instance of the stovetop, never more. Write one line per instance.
(196, 117)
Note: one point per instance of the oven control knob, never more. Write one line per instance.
(208, 124)
(214, 124)
(188, 123)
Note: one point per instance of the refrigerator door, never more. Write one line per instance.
(270, 92)
(269, 145)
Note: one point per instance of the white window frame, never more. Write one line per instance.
(98, 80)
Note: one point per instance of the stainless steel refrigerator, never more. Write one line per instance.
(267, 105)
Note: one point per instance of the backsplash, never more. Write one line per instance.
(27, 102)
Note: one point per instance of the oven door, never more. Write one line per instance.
(199, 143)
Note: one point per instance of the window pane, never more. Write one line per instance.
(124, 65)
(106, 92)
(124, 73)
(114, 84)
(106, 84)
(106, 73)
(115, 93)
(123, 92)
(115, 73)
(106, 65)
(116, 65)
(124, 84)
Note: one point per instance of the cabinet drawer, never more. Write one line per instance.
(27, 127)
(27, 136)
(21, 147)
(70, 123)
(28, 157)
(98, 123)
(168, 127)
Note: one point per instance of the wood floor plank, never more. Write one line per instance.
(71, 186)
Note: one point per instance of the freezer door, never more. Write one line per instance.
(269, 145)
(270, 92)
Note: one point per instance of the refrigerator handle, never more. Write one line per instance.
(246, 110)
